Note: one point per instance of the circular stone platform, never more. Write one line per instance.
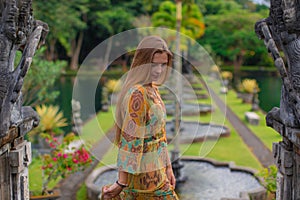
(197, 132)
(185, 96)
(206, 179)
(190, 109)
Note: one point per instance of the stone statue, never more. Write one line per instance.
(280, 32)
(18, 31)
(76, 119)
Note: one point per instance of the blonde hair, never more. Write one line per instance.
(139, 73)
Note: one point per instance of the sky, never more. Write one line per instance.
(265, 2)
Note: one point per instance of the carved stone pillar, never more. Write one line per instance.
(280, 32)
(287, 159)
(18, 31)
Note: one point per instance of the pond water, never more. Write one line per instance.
(65, 86)
(204, 181)
(270, 88)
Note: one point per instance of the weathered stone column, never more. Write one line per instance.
(18, 31)
(280, 32)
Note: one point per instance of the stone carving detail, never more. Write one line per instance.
(18, 31)
(280, 32)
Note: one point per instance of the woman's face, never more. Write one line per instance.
(158, 65)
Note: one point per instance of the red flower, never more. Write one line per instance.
(61, 162)
(52, 145)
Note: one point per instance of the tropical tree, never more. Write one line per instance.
(214, 7)
(65, 21)
(111, 22)
(231, 35)
(192, 18)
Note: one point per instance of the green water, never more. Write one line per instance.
(270, 88)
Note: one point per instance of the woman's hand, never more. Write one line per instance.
(111, 191)
(171, 176)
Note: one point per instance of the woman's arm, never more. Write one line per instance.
(117, 187)
(123, 178)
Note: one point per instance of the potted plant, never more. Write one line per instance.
(215, 72)
(248, 88)
(226, 77)
(110, 87)
(51, 122)
(63, 160)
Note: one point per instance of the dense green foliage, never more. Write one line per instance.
(230, 34)
(40, 79)
(78, 26)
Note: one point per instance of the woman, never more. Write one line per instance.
(145, 170)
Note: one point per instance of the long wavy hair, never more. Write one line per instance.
(140, 73)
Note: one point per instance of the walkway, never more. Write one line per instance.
(262, 153)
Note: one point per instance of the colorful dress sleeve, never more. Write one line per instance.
(133, 131)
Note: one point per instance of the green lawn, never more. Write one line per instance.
(95, 129)
(267, 135)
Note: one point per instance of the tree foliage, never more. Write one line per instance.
(93, 21)
(192, 18)
(64, 21)
(39, 82)
(231, 36)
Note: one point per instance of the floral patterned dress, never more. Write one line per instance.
(143, 146)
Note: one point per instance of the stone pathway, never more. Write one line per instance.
(71, 185)
(262, 153)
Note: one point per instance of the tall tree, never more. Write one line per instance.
(113, 21)
(192, 18)
(213, 7)
(231, 36)
(64, 20)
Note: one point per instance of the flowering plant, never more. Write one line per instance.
(62, 159)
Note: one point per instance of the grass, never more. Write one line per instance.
(266, 134)
(227, 149)
(95, 129)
